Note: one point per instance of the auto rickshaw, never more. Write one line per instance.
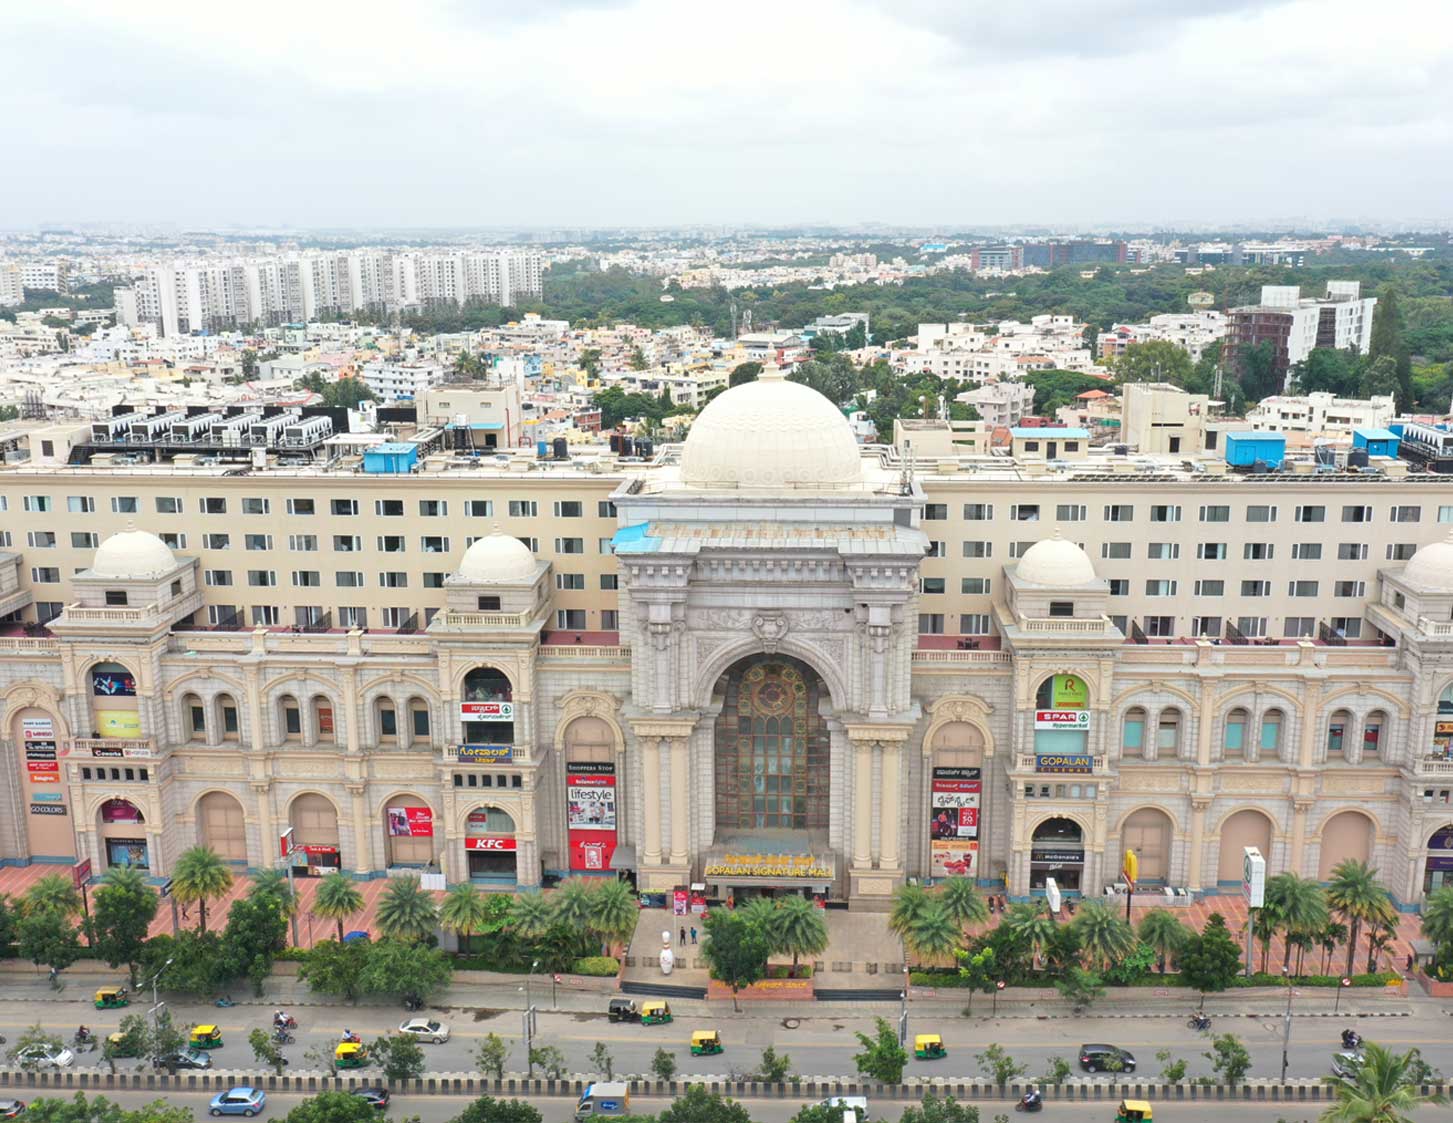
(655, 1013)
(350, 1054)
(110, 998)
(623, 1010)
(123, 1045)
(206, 1037)
(1133, 1111)
(705, 1043)
(929, 1047)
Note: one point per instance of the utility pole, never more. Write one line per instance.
(530, 1041)
(156, 1005)
(1286, 1031)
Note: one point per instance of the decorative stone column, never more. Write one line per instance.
(651, 802)
(1198, 841)
(888, 842)
(362, 863)
(1296, 860)
(862, 804)
(873, 876)
(664, 862)
(680, 800)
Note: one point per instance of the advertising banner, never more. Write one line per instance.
(48, 809)
(491, 843)
(486, 754)
(590, 814)
(325, 719)
(410, 822)
(105, 684)
(1253, 877)
(1069, 692)
(955, 803)
(118, 723)
(37, 729)
(953, 857)
(42, 766)
(486, 711)
(1069, 721)
(680, 901)
(1065, 764)
(45, 778)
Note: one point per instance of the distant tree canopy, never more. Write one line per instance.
(346, 393)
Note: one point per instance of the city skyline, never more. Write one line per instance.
(1077, 115)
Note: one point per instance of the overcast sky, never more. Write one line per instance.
(654, 112)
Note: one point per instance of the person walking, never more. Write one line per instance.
(683, 935)
(693, 933)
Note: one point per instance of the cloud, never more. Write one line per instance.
(653, 112)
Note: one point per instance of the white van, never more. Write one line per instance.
(603, 1099)
(856, 1105)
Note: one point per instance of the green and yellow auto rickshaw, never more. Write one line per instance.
(929, 1047)
(206, 1037)
(350, 1054)
(111, 998)
(655, 1013)
(705, 1043)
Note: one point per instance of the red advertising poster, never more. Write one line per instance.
(410, 822)
(590, 814)
(44, 778)
(492, 843)
(42, 766)
(325, 719)
(679, 901)
(954, 821)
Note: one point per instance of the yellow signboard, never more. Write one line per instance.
(1070, 693)
(769, 865)
(118, 723)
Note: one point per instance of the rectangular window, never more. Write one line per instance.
(1119, 586)
(1306, 551)
(265, 615)
(1061, 608)
(80, 504)
(570, 545)
(1357, 514)
(605, 509)
(1352, 551)
(307, 578)
(393, 579)
(344, 506)
(434, 508)
(1216, 514)
(1310, 514)
(434, 580)
(303, 543)
(84, 540)
(217, 577)
(168, 505)
(1349, 588)
(261, 578)
(978, 512)
(257, 541)
(352, 616)
(1301, 588)
(1258, 551)
(1347, 626)
(434, 544)
(1115, 550)
(1163, 551)
(570, 619)
(930, 623)
(1133, 738)
(1070, 512)
(1401, 551)
(610, 619)
(478, 508)
(348, 579)
(1210, 588)
(391, 543)
(935, 512)
(522, 508)
(125, 505)
(347, 543)
(173, 540)
(40, 504)
(974, 586)
(570, 582)
(45, 574)
(1163, 513)
(610, 581)
(222, 613)
(930, 584)
(1119, 512)
(213, 505)
(1254, 627)
(301, 507)
(1211, 551)
(389, 508)
(216, 541)
(604, 546)
(974, 624)
(41, 539)
(1158, 625)
(1260, 513)
(1208, 626)
(1019, 549)
(252, 506)
(1160, 588)
(1299, 627)
(1445, 514)
(978, 549)
(569, 509)
(532, 543)
(1024, 512)
(1407, 514)
(1256, 588)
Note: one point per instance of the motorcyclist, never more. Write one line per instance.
(350, 1036)
(1201, 1020)
(1351, 1039)
(1031, 1100)
(82, 1033)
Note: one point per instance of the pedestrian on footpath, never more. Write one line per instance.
(693, 933)
(683, 935)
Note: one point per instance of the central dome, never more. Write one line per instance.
(1055, 563)
(1431, 569)
(497, 558)
(771, 433)
(131, 555)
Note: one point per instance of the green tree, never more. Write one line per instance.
(164, 1037)
(1387, 342)
(801, 929)
(997, 1065)
(1330, 370)
(1356, 897)
(1164, 933)
(744, 372)
(1332, 934)
(400, 1056)
(335, 969)
(464, 912)
(945, 1109)
(1055, 388)
(590, 362)
(198, 876)
(1171, 1071)
(604, 1063)
(337, 899)
(1437, 923)
(406, 911)
(345, 393)
(52, 893)
(774, 1067)
(491, 1055)
(257, 929)
(122, 909)
(1380, 377)
(1229, 1058)
(1058, 1072)
(1256, 371)
(836, 377)
(614, 912)
(963, 901)
(1030, 923)
(404, 969)
(487, 1109)
(249, 363)
(1300, 904)
(735, 951)
(1105, 936)
(135, 1031)
(189, 962)
(980, 972)
(700, 1106)
(638, 359)
(332, 1107)
(934, 935)
(1080, 988)
(31, 1036)
(9, 413)
(265, 1050)
(272, 885)
(663, 1064)
(550, 1059)
(48, 938)
(1210, 960)
(8, 912)
(1156, 360)
(77, 1109)
(572, 904)
(820, 1113)
(531, 914)
(882, 1058)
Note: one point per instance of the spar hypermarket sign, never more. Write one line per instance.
(1068, 721)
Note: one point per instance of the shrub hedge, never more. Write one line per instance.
(597, 966)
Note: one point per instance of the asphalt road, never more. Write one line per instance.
(822, 1043)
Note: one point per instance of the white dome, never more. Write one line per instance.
(498, 558)
(771, 433)
(131, 555)
(1430, 570)
(1055, 562)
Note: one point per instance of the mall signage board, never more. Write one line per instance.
(1065, 764)
(486, 711)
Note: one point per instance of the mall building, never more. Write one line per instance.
(766, 660)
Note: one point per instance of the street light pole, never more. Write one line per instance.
(1286, 1032)
(529, 1002)
(156, 1003)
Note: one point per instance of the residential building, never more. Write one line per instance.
(1321, 413)
(51, 274)
(12, 284)
(1158, 417)
(1293, 325)
(399, 379)
(1000, 403)
(1192, 332)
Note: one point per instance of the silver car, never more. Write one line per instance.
(426, 1029)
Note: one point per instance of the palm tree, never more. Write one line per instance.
(572, 905)
(199, 876)
(614, 912)
(1030, 924)
(464, 912)
(52, 893)
(1162, 932)
(934, 935)
(1357, 898)
(963, 901)
(337, 897)
(1300, 906)
(801, 929)
(1105, 936)
(531, 914)
(1383, 1089)
(1382, 932)
(1265, 924)
(1332, 934)
(1437, 921)
(406, 911)
(909, 902)
(274, 884)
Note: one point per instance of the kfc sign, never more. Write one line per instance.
(486, 711)
(492, 844)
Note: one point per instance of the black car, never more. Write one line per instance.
(1106, 1058)
(376, 1097)
(187, 1058)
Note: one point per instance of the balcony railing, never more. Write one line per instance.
(1064, 625)
(1432, 766)
(485, 619)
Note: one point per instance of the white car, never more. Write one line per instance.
(426, 1029)
(43, 1056)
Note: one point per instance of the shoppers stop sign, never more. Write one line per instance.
(492, 844)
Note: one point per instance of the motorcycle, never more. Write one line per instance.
(1031, 1101)
(1201, 1022)
(225, 1001)
(1351, 1040)
(283, 1037)
(287, 1021)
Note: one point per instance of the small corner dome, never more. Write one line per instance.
(771, 433)
(497, 558)
(131, 555)
(1430, 570)
(1056, 563)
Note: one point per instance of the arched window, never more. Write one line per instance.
(227, 707)
(1168, 734)
(419, 719)
(490, 821)
(1372, 734)
(485, 684)
(958, 744)
(589, 740)
(194, 718)
(387, 719)
(1271, 723)
(1132, 737)
(290, 717)
(1338, 729)
(1233, 739)
(323, 728)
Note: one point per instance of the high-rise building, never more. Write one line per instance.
(1293, 325)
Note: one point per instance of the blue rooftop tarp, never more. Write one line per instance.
(1050, 434)
(634, 540)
